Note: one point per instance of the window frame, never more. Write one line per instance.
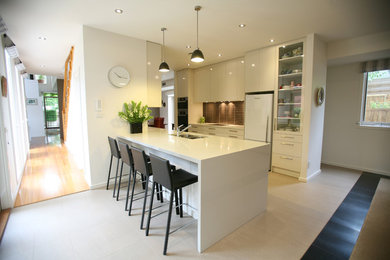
(363, 107)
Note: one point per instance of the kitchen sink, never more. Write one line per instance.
(190, 136)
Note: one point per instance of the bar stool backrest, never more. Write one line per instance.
(125, 153)
(161, 171)
(140, 161)
(114, 147)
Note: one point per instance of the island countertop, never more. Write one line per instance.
(193, 150)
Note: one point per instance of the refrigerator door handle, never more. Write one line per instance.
(266, 132)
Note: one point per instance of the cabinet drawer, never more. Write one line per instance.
(287, 137)
(287, 147)
(286, 162)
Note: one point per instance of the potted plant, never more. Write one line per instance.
(41, 79)
(135, 114)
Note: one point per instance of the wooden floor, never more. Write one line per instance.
(49, 172)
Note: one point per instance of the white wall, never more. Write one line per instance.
(35, 114)
(103, 50)
(77, 136)
(345, 143)
(314, 115)
(363, 48)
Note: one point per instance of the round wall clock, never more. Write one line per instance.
(118, 76)
(320, 96)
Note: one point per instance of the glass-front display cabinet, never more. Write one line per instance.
(290, 98)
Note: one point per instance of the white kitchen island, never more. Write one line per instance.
(232, 178)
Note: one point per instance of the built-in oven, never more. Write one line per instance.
(182, 111)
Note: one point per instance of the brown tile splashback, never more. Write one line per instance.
(224, 112)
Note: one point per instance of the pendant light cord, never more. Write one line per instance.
(163, 45)
(197, 29)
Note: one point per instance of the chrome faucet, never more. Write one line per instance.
(178, 131)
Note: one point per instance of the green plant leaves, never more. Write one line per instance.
(135, 112)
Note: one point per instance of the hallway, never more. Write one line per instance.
(50, 172)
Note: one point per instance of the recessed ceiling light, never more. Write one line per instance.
(149, 63)
(211, 68)
(118, 11)
(188, 64)
(43, 38)
(219, 54)
(242, 62)
(272, 40)
(284, 46)
(188, 46)
(242, 25)
(253, 65)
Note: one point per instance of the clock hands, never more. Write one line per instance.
(119, 76)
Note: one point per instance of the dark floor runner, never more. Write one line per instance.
(337, 239)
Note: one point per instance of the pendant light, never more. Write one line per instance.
(197, 55)
(163, 66)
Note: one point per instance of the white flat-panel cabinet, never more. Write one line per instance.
(220, 82)
(153, 75)
(260, 70)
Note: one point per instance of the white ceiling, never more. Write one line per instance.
(282, 20)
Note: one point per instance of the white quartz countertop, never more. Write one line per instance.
(194, 150)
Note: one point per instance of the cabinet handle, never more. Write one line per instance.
(232, 136)
(211, 133)
(287, 137)
(286, 158)
(283, 143)
(233, 131)
(211, 128)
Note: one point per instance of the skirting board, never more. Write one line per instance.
(104, 184)
(311, 176)
(353, 167)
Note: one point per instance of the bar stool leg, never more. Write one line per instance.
(119, 184)
(144, 206)
(181, 202)
(132, 191)
(168, 224)
(150, 211)
(161, 194)
(177, 203)
(109, 173)
(158, 192)
(128, 188)
(116, 177)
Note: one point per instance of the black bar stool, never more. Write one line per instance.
(114, 153)
(142, 165)
(127, 159)
(171, 179)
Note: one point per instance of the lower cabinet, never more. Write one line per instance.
(287, 153)
(225, 131)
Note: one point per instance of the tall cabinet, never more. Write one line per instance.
(298, 121)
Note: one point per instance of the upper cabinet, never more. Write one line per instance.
(220, 82)
(153, 60)
(260, 70)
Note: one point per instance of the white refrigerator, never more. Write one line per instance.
(258, 117)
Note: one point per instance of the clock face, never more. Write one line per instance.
(119, 76)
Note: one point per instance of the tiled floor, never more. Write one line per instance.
(92, 225)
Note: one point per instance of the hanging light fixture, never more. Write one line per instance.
(163, 66)
(197, 55)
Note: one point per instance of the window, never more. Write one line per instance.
(376, 99)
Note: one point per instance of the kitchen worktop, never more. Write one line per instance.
(193, 150)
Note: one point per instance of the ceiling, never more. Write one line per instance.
(282, 20)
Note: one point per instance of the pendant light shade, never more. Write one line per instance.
(163, 66)
(197, 55)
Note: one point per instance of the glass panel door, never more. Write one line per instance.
(52, 119)
(290, 98)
